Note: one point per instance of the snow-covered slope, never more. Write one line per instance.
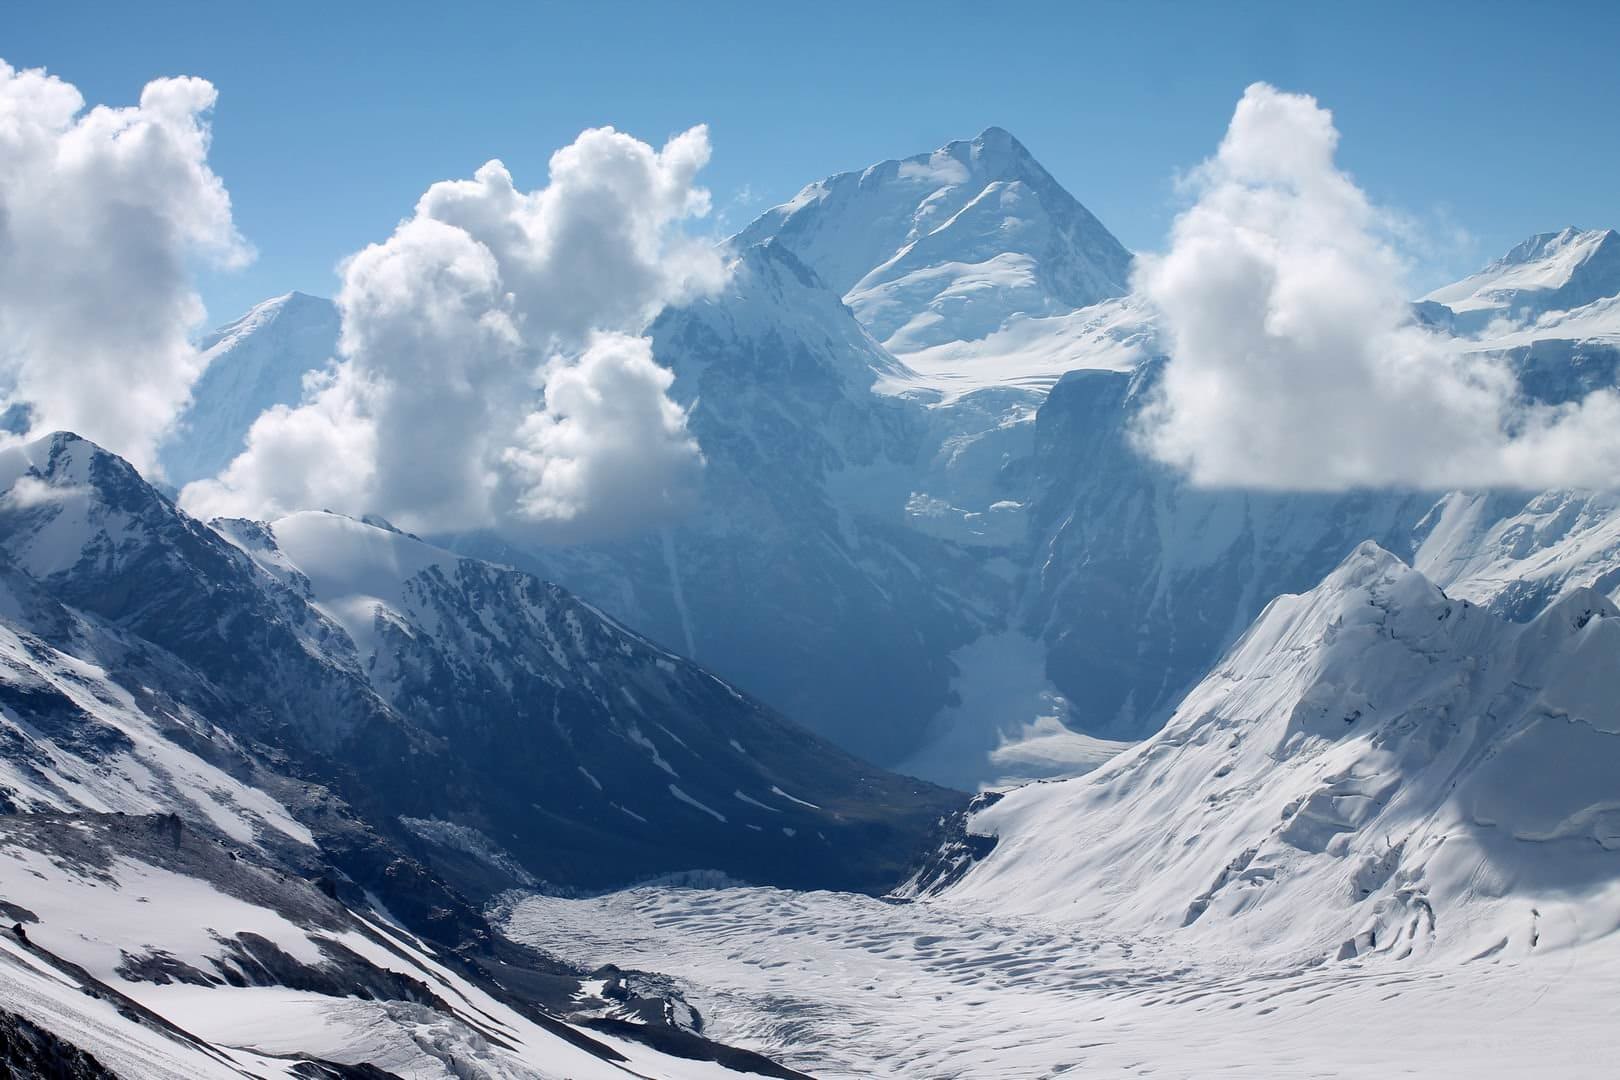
(164, 949)
(1549, 272)
(948, 246)
(1375, 767)
(253, 364)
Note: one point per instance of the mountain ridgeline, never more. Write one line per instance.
(492, 722)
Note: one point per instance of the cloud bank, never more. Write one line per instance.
(1295, 360)
(100, 213)
(491, 369)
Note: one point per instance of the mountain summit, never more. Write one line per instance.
(1556, 271)
(946, 246)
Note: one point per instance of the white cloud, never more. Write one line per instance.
(609, 449)
(100, 213)
(30, 491)
(1295, 360)
(489, 370)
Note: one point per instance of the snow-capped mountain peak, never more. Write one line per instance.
(949, 245)
(1556, 271)
(254, 363)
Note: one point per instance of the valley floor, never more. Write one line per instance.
(846, 986)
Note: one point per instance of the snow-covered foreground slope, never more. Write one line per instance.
(165, 951)
(850, 988)
(1374, 768)
(170, 918)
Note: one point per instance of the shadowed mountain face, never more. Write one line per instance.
(796, 576)
(491, 721)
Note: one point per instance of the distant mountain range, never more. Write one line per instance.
(915, 397)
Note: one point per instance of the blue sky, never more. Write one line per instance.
(1495, 118)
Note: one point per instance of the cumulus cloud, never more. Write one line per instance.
(1295, 360)
(490, 368)
(584, 455)
(101, 211)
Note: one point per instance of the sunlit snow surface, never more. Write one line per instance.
(1547, 272)
(845, 986)
(1029, 353)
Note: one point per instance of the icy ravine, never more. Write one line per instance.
(1374, 768)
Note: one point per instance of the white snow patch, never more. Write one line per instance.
(689, 801)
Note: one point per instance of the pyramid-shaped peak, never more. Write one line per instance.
(904, 231)
(998, 140)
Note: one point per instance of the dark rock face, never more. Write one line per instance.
(952, 852)
(29, 1051)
